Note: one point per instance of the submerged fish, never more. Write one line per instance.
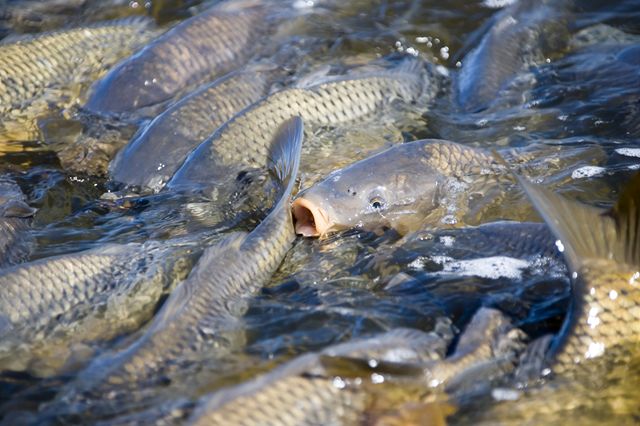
(49, 305)
(398, 187)
(206, 45)
(153, 156)
(321, 101)
(347, 384)
(521, 35)
(32, 64)
(15, 220)
(200, 319)
(602, 250)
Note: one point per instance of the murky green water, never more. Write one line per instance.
(575, 122)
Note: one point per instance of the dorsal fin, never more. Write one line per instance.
(589, 232)
(284, 155)
(626, 214)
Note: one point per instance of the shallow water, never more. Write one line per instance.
(573, 121)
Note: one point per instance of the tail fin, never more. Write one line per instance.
(588, 232)
(284, 156)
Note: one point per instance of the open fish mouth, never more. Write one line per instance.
(310, 219)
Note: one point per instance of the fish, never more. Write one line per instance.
(16, 242)
(50, 305)
(209, 44)
(316, 388)
(397, 187)
(32, 64)
(153, 156)
(588, 367)
(521, 35)
(200, 319)
(602, 249)
(321, 100)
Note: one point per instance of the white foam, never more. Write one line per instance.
(447, 240)
(587, 171)
(487, 267)
(497, 4)
(629, 152)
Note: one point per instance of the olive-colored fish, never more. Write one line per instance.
(153, 156)
(15, 220)
(207, 45)
(398, 187)
(520, 36)
(49, 305)
(200, 319)
(321, 101)
(322, 389)
(602, 250)
(594, 358)
(32, 64)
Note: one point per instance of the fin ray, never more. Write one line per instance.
(585, 231)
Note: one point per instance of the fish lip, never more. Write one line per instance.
(310, 219)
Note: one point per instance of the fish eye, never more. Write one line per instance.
(377, 203)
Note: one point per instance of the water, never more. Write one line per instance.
(574, 119)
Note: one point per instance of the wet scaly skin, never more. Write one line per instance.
(81, 298)
(399, 187)
(207, 45)
(323, 101)
(316, 389)
(591, 362)
(152, 157)
(32, 64)
(519, 37)
(200, 320)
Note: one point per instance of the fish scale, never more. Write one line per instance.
(200, 320)
(82, 297)
(330, 101)
(206, 45)
(614, 300)
(313, 389)
(150, 159)
(32, 63)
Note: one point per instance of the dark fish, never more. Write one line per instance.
(15, 221)
(207, 45)
(32, 64)
(521, 36)
(332, 387)
(243, 142)
(49, 305)
(398, 187)
(153, 156)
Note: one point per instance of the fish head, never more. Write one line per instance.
(388, 189)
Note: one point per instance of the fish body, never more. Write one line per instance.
(209, 44)
(396, 187)
(601, 248)
(520, 36)
(153, 156)
(328, 101)
(15, 222)
(316, 389)
(200, 320)
(590, 365)
(82, 297)
(32, 64)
